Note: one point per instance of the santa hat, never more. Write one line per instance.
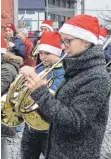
(82, 26)
(48, 24)
(11, 26)
(52, 44)
(102, 35)
(3, 45)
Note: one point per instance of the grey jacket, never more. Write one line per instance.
(9, 69)
(10, 66)
(79, 111)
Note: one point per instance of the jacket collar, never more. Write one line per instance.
(90, 58)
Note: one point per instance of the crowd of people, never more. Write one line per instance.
(76, 103)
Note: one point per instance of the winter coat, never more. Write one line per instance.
(9, 69)
(78, 112)
(28, 50)
(19, 48)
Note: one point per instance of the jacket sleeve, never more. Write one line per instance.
(80, 111)
(19, 48)
(8, 73)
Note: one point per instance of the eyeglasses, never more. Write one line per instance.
(67, 42)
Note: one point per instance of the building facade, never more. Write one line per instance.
(61, 10)
(33, 12)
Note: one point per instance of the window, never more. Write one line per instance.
(57, 3)
(28, 22)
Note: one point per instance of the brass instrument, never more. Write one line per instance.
(35, 52)
(20, 107)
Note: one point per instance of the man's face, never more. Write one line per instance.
(44, 29)
(8, 33)
(47, 58)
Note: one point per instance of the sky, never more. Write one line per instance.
(98, 8)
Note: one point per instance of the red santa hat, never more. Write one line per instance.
(82, 26)
(48, 24)
(3, 45)
(50, 42)
(11, 26)
(102, 35)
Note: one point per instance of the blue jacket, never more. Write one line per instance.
(19, 48)
(57, 73)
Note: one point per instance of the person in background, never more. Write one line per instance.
(34, 142)
(23, 34)
(47, 25)
(78, 112)
(102, 40)
(10, 65)
(14, 43)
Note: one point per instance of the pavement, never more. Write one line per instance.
(13, 147)
(106, 146)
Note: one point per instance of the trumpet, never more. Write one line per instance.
(19, 106)
(35, 52)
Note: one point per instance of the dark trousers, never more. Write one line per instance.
(33, 143)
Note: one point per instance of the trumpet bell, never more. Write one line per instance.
(26, 106)
(9, 116)
(34, 120)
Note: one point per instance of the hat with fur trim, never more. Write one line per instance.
(52, 44)
(48, 24)
(11, 26)
(82, 26)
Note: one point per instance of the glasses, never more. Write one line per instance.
(67, 42)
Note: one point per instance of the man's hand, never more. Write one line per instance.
(33, 81)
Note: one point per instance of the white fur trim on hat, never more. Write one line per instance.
(3, 50)
(48, 26)
(102, 38)
(50, 49)
(79, 33)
